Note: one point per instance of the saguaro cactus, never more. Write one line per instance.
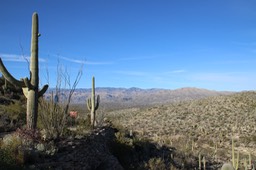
(29, 86)
(93, 105)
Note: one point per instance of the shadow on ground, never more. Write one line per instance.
(110, 148)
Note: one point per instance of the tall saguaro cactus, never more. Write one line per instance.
(29, 86)
(93, 105)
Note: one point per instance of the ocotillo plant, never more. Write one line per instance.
(29, 86)
(93, 105)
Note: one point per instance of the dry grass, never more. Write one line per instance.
(203, 126)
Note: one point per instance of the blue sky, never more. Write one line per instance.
(136, 43)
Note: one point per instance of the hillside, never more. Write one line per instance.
(168, 135)
(203, 126)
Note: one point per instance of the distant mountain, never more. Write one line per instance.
(123, 97)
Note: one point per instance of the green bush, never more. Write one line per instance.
(10, 154)
(156, 164)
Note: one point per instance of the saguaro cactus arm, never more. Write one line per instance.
(89, 104)
(9, 77)
(97, 102)
(28, 84)
(43, 90)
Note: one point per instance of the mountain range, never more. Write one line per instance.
(133, 97)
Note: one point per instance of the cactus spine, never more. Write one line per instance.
(29, 86)
(93, 105)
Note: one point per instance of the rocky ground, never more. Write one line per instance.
(82, 152)
(109, 149)
(105, 148)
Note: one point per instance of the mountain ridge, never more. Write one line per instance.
(132, 97)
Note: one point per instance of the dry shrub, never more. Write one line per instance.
(54, 114)
(156, 164)
(10, 154)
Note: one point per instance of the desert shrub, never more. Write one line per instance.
(54, 112)
(7, 159)
(16, 110)
(84, 123)
(52, 119)
(10, 155)
(134, 152)
(123, 151)
(23, 148)
(9, 90)
(12, 116)
(156, 164)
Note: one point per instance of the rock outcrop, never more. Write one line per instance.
(83, 152)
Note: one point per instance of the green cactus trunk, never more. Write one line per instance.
(32, 103)
(93, 105)
(29, 86)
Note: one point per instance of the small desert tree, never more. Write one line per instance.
(54, 110)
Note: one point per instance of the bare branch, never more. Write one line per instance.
(23, 55)
(54, 114)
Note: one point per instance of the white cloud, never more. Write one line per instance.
(17, 58)
(72, 60)
(83, 61)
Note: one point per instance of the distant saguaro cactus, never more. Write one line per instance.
(93, 105)
(29, 86)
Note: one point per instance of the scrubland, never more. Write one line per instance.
(204, 127)
(193, 134)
